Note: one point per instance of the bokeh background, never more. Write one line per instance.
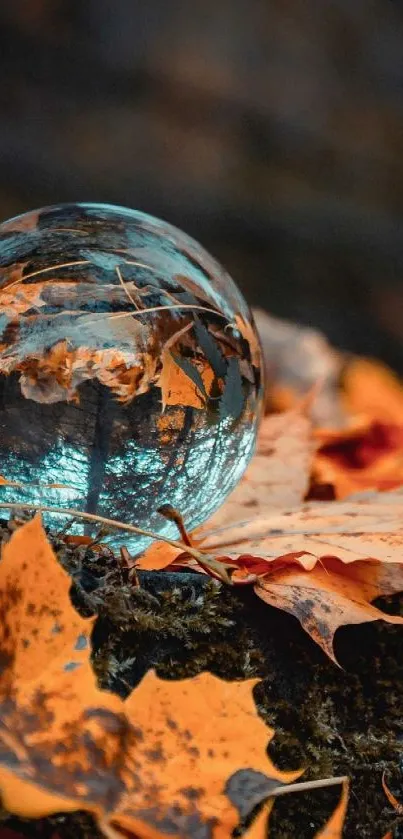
(271, 130)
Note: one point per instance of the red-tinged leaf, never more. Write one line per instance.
(331, 595)
(370, 527)
(324, 563)
(367, 456)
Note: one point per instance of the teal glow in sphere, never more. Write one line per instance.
(130, 369)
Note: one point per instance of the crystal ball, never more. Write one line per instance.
(130, 370)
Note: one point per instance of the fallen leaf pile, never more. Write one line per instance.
(176, 758)
(325, 563)
(188, 758)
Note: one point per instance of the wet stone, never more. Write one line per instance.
(130, 370)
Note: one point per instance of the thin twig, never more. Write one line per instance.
(125, 289)
(217, 568)
(304, 786)
(151, 309)
(44, 271)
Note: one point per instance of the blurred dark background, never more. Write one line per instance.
(271, 130)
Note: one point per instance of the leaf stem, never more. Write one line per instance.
(305, 786)
(217, 568)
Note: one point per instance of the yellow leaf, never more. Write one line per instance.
(173, 756)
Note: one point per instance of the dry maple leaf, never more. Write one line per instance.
(300, 557)
(327, 561)
(278, 476)
(174, 759)
(37, 621)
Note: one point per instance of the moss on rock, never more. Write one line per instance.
(332, 721)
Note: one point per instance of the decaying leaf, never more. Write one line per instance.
(324, 563)
(336, 559)
(174, 759)
(38, 623)
(331, 595)
(297, 557)
(333, 829)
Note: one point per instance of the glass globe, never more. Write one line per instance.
(130, 369)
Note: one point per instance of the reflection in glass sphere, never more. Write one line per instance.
(129, 368)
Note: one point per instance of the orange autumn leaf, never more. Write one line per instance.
(367, 456)
(330, 595)
(333, 828)
(146, 765)
(56, 375)
(38, 623)
(324, 563)
(259, 827)
(158, 556)
(181, 387)
(372, 390)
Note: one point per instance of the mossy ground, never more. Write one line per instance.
(332, 721)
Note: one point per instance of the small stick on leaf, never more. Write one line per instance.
(169, 512)
(213, 566)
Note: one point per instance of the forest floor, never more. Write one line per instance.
(333, 721)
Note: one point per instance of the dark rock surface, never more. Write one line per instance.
(331, 721)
